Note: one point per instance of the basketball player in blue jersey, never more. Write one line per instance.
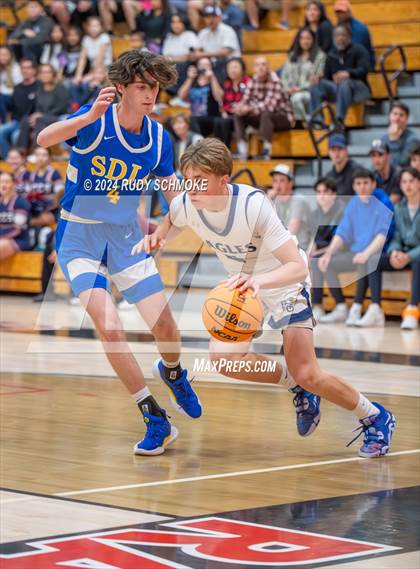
(260, 254)
(115, 146)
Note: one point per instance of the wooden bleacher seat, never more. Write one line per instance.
(291, 143)
(260, 168)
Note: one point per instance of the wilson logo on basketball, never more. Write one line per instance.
(186, 543)
(230, 317)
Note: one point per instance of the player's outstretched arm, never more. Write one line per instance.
(61, 131)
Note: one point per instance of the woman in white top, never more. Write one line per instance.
(96, 49)
(53, 49)
(9, 77)
(180, 41)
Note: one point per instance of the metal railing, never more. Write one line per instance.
(245, 171)
(319, 130)
(389, 79)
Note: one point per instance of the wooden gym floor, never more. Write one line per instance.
(239, 488)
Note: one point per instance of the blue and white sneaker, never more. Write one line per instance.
(183, 396)
(377, 431)
(159, 434)
(308, 411)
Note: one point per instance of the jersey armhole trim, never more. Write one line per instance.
(247, 203)
(159, 144)
(95, 143)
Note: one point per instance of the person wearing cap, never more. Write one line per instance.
(343, 167)
(359, 31)
(399, 137)
(387, 176)
(265, 105)
(345, 75)
(217, 40)
(292, 210)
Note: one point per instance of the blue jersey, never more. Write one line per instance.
(109, 166)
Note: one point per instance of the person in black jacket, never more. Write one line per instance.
(345, 74)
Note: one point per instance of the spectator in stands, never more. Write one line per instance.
(183, 137)
(70, 56)
(111, 10)
(387, 176)
(74, 13)
(265, 105)
(363, 230)
(316, 19)
(10, 76)
(345, 76)
(399, 137)
(359, 32)
(292, 210)
(96, 49)
(52, 101)
(16, 160)
(252, 8)
(233, 91)
(323, 224)
(29, 37)
(155, 23)
(305, 64)
(43, 187)
(415, 157)
(217, 40)
(343, 167)
(204, 93)
(53, 49)
(179, 44)
(232, 16)
(14, 217)
(22, 104)
(87, 91)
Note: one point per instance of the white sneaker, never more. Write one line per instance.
(374, 317)
(410, 318)
(339, 314)
(124, 305)
(318, 312)
(355, 314)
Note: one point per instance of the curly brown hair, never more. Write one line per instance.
(149, 67)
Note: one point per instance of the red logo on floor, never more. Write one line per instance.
(217, 539)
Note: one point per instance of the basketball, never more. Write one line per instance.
(231, 315)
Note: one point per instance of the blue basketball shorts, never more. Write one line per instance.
(91, 253)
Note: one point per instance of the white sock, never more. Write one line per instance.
(365, 408)
(171, 364)
(267, 146)
(286, 380)
(141, 394)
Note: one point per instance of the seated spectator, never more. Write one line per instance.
(204, 93)
(345, 76)
(52, 101)
(179, 45)
(10, 76)
(53, 49)
(363, 231)
(183, 137)
(155, 23)
(316, 19)
(359, 32)
(16, 161)
(232, 16)
(70, 56)
(399, 137)
(29, 37)
(43, 187)
(96, 49)
(292, 210)
(404, 249)
(415, 157)
(386, 174)
(111, 10)
(217, 40)
(14, 217)
(74, 13)
(233, 91)
(324, 222)
(22, 104)
(304, 65)
(265, 105)
(343, 167)
(252, 8)
(87, 91)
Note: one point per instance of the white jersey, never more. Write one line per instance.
(244, 236)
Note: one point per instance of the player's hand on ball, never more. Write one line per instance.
(148, 244)
(102, 102)
(243, 282)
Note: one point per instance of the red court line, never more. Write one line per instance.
(21, 389)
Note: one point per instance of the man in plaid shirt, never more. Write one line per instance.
(265, 105)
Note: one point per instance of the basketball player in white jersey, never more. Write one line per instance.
(259, 254)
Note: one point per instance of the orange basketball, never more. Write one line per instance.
(232, 316)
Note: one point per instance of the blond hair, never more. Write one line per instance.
(210, 155)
